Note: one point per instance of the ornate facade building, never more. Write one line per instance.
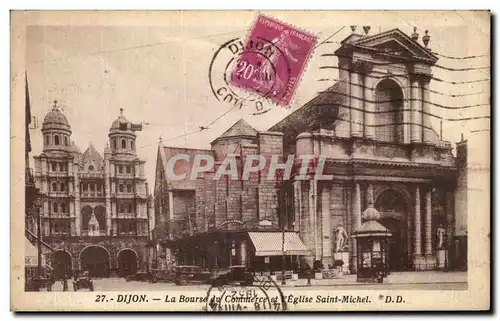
(95, 208)
(373, 126)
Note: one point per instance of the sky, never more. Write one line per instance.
(156, 67)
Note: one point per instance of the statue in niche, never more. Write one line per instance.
(441, 234)
(341, 238)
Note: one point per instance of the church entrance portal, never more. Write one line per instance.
(127, 262)
(96, 260)
(393, 208)
(61, 263)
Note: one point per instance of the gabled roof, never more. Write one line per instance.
(239, 129)
(394, 43)
(92, 156)
(181, 167)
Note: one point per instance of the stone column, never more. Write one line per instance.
(428, 223)
(170, 205)
(369, 104)
(418, 222)
(356, 101)
(356, 221)
(325, 225)
(107, 193)
(426, 110)
(78, 213)
(312, 217)
(416, 111)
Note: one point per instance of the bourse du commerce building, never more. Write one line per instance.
(95, 213)
(374, 128)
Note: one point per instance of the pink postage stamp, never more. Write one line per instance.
(274, 58)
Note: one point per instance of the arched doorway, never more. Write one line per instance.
(96, 260)
(127, 262)
(389, 118)
(393, 209)
(61, 263)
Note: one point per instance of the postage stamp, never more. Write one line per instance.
(276, 56)
(141, 184)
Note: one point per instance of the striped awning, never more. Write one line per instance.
(271, 243)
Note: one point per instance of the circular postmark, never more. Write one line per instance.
(262, 293)
(235, 64)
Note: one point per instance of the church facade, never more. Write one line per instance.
(94, 210)
(373, 126)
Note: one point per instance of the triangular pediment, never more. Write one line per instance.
(397, 43)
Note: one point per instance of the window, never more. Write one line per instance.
(56, 139)
(54, 207)
(84, 187)
(65, 167)
(129, 169)
(66, 140)
(124, 143)
(61, 167)
(122, 208)
(114, 143)
(129, 208)
(54, 167)
(54, 186)
(63, 208)
(132, 144)
(47, 139)
(92, 187)
(121, 188)
(120, 169)
(129, 188)
(63, 187)
(91, 167)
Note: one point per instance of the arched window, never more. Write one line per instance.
(63, 208)
(54, 167)
(132, 144)
(129, 188)
(47, 139)
(389, 117)
(114, 143)
(66, 140)
(129, 169)
(56, 139)
(121, 188)
(120, 169)
(61, 167)
(63, 187)
(54, 186)
(124, 143)
(54, 207)
(92, 187)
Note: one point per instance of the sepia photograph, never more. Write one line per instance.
(250, 160)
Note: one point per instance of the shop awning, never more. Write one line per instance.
(270, 243)
(30, 254)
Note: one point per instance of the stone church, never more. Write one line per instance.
(95, 212)
(373, 126)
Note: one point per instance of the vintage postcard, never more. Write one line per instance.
(250, 160)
